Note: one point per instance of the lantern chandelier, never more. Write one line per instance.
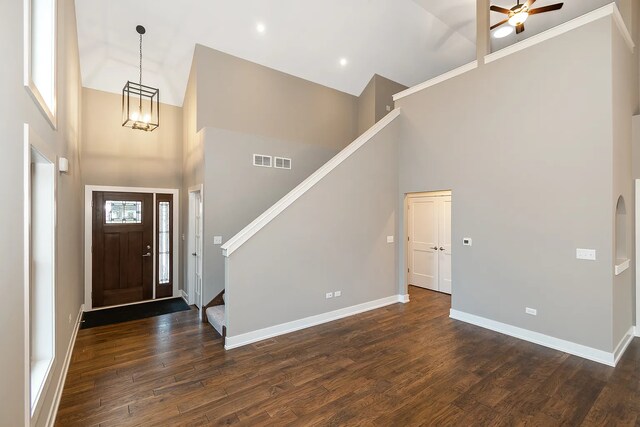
(140, 103)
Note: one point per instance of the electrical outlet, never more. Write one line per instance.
(588, 254)
(388, 107)
(217, 240)
(329, 295)
(389, 239)
(467, 241)
(531, 311)
(337, 294)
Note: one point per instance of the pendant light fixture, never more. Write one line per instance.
(140, 103)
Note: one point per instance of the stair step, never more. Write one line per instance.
(215, 315)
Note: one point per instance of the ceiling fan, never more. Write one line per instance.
(520, 12)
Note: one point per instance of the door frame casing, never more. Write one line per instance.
(88, 238)
(188, 267)
(404, 260)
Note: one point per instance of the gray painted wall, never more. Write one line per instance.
(236, 192)
(367, 107)
(624, 102)
(119, 156)
(242, 96)
(374, 99)
(531, 176)
(332, 238)
(16, 108)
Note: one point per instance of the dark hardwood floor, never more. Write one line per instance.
(402, 365)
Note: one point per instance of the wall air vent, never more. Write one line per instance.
(261, 160)
(282, 163)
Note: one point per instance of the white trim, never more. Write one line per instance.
(184, 296)
(636, 331)
(403, 298)
(307, 322)
(32, 141)
(622, 27)
(590, 353)
(436, 80)
(621, 265)
(53, 411)
(88, 236)
(29, 85)
(199, 188)
(623, 344)
(610, 9)
(637, 227)
(246, 233)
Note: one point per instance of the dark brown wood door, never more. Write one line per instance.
(122, 248)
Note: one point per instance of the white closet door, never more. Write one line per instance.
(423, 242)
(444, 247)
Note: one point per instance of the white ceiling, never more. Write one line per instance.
(408, 41)
(398, 39)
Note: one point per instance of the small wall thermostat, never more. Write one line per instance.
(467, 241)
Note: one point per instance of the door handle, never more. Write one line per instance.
(194, 254)
(148, 254)
(441, 248)
(435, 248)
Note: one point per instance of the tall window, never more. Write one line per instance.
(40, 224)
(40, 57)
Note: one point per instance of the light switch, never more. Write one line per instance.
(217, 240)
(389, 239)
(588, 254)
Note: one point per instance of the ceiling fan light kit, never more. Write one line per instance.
(518, 14)
(140, 103)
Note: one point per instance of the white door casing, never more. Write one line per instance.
(195, 247)
(429, 242)
(444, 238)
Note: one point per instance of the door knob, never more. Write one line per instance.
(441, 248)
(435, 248)
(194, 254)
(148, 254)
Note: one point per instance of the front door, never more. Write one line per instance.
(122, 251)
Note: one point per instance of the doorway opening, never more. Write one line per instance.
(194, 244)
(428, 241)
(130, 242)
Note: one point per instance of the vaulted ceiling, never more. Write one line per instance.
(408, 41)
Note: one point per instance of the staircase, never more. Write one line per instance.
(214, 312)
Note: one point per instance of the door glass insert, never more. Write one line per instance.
(164, 249)
(123, 212)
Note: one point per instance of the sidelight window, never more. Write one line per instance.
(164, 243)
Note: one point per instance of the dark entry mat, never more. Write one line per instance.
(109, 316)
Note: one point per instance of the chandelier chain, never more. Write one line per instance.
(140, 72)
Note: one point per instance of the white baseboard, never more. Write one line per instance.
(636, 331)
(600, 356)
(403, 298)
(623, 344)
(51, 419)
(307, 322)
(184, 296)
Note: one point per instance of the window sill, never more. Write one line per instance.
(621, 265)
(40, 373)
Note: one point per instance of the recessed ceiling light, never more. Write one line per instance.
(343, 62)
(502, 32)
(261, 27)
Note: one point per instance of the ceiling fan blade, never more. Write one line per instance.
(499, 23)
(500, 9)
(529, 3)
(546, 8)
(519, 28)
